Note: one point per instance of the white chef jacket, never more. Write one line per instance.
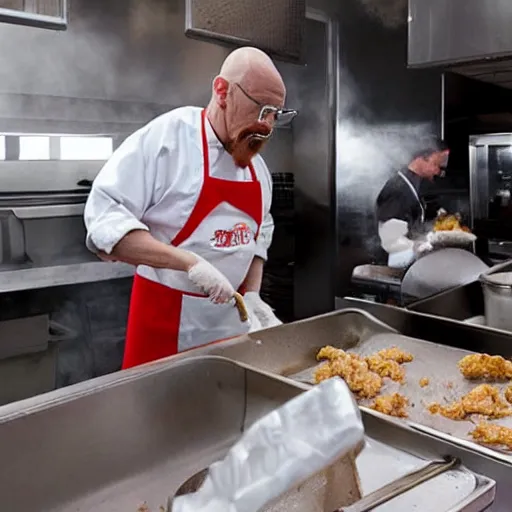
(153, 180)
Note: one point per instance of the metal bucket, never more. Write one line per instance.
(497, 289)
(335, 487)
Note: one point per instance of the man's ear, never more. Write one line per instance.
(220, 89)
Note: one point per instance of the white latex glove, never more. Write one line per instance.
(260, 311)
(393, 236)
(422, 247)
(254, 322)
(205, 276)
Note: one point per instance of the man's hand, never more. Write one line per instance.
(422, 247)
(261, 311)
(211, 281)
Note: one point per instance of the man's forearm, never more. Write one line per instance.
(141, 248)
(252, 282)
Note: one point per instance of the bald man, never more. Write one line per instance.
(187, 200)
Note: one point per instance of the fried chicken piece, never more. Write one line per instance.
(331, 353)
(355, 372)
(362, 375)
(484, 399)
(386, 368)
(453, 411)
(392, 405)
(484, 366)
(508, 394)
(487, 433)
(143, 508)
(446, 222)
(395, 354)
(424, 382)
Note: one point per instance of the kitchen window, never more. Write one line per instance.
(44, 147)
(86, 148)
(34, 148)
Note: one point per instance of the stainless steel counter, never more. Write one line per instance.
(120, 440)
(60, 275)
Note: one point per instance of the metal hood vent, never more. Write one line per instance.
(274, 26)
(470, 37)
(50, 14)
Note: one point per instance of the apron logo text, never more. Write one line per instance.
(241, 234)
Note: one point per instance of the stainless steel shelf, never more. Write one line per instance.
(61, 275)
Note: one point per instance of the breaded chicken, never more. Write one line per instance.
(487, 433)
(362, 375)
(355, 372)
(484, 400)
(330, 353)
(386, 368)
(424, 382)
(395, 354)
(508, 394)
(484, 366)
(392, 405)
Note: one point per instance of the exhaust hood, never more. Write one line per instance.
(50, 14)
(470, 37)
(274, 26)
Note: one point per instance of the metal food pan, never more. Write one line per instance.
(444, 331)
(461, 303)
(437, 363)
(291, 348)
(113, 443)
(290, 351)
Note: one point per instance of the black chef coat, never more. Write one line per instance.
(398, 201)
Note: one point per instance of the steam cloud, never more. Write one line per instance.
(370, 154)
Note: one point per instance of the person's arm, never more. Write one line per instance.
(121, 194)
(393, 225)
(258, 309)
(254, 276)
(138, 247)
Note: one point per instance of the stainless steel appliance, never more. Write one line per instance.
(50, 14)
(490, 158)
(45, 182)
(439, 35)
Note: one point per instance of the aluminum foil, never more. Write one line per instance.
(280, 451)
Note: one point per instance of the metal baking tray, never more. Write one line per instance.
(113, 443)
(290, 351)
(438, 363)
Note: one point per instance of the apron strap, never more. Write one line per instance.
(415, 193)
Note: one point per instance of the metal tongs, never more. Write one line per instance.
(401, 485)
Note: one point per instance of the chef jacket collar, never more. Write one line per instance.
(213, 141)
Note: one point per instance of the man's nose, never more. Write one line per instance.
(269, 119)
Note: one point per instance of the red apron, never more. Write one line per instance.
(167, 318)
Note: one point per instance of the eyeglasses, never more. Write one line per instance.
(282, 116)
